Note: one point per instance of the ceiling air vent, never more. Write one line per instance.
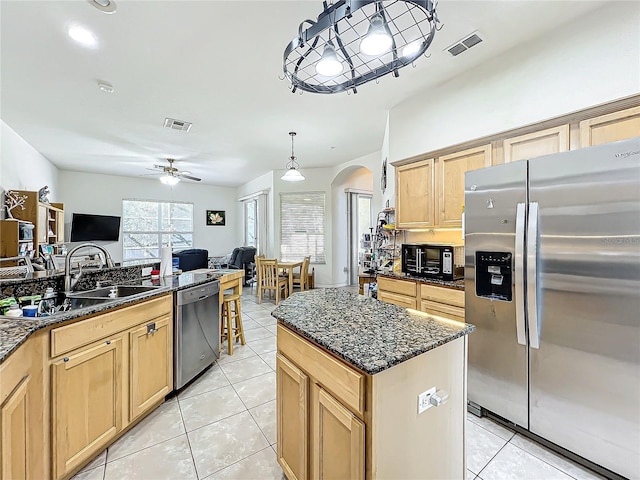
(464, 44)
(177, 124)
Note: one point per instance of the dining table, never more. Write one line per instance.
(288, 268)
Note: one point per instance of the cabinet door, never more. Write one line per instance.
(451, 170)
(536, 144)
(415, 198)
(87, 403)
(401, 300)
(42, 227)
(150, 364)
(15, 452)
(338, 442)
(60, 227)
(292, 404)
(610, 128)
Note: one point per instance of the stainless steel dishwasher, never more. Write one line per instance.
(196, 331)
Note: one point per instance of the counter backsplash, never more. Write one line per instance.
(37, 286)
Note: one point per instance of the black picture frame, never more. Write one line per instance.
(216, 218)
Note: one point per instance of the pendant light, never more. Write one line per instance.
(292, 174)
(355, 42)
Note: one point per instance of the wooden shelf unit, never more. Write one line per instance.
(48, 219)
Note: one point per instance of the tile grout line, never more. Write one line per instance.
(193, 460)
(544, 461)
(231, 464)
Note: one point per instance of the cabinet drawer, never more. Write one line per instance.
(401, 300)
(403, 287)
(83, 332)
(442, 295)
(443, 310)
(341, 380)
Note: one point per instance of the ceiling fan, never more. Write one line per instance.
(170, 174)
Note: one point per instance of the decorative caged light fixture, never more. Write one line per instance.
(355, 41)
(292, 174)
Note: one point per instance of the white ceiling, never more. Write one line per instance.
(217, 64)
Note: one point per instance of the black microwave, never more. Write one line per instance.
(430, 260)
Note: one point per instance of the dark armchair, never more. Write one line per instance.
(242, 258)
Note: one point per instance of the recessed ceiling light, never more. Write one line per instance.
(105, 6)
(83, 36)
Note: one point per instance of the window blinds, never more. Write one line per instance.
(302, 226)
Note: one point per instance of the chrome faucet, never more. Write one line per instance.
(69, 282)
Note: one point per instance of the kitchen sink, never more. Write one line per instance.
(118, 290)
(88, 298)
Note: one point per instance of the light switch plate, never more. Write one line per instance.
(424, 400)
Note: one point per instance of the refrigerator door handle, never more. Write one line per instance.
(519, 273)
(532, 277)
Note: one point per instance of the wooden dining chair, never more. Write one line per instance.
(256, 261)
(271, 280)
(302, 279)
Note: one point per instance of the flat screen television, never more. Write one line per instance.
(86, 227)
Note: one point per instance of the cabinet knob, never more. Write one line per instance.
(108, 342)
(65, 359)
(151, 328)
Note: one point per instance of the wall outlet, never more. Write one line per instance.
(424, 400)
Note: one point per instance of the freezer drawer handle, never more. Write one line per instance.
(532, 277)
(519, 273)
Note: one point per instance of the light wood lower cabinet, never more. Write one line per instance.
(150, 364)
(292, 414)
(87, 402)
(324, 432)
(436, 300)
(24, 413)
(337, 439)
(100, 388)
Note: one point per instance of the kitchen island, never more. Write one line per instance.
(352, 375)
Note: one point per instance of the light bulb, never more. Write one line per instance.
(377, 41)
(329, 65)
(169, 179)
(411, 49)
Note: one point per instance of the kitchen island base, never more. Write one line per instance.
(336, 421)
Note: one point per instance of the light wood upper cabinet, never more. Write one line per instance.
(150, 364)
(450, 182)
(415, 196)
(87, 395)
(293, 419)
(610, 128)
(338, 442)
(536, 144)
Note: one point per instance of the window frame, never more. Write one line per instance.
(317, 258)
(160, 233)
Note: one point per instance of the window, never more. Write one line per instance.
(251, 223)
(148, 225)
(302, 226)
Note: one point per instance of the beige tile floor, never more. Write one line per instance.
(222, 426)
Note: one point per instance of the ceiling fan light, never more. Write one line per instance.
(377, 41)
(292, 175)
(169, 180)
(329, 65)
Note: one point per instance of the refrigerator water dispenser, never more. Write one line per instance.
(493, 275)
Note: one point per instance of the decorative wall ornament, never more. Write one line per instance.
(13, 200)
(216, 217)
(43, 194)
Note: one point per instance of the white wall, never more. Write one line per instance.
(353, 177)
(103, 194)
(593, 60)
(22, 167)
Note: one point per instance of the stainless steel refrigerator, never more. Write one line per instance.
(552, 282)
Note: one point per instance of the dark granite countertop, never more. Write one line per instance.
(14, 331)
(457, 284)
(369, 334)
